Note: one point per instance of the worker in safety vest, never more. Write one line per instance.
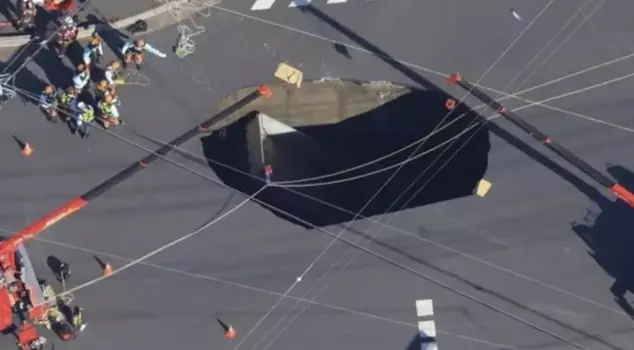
(81, 78)
(103, 89)
(112, 73)
(48, 103)
(94, 50)
(84, 115)
(66, 35)
(63, 273)
(78, 319)
(65, 99)
(135, 51)
(108, 112)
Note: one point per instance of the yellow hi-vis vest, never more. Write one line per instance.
(105, 108)
(87, 116)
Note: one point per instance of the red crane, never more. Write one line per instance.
(19, 283)
(619, 190)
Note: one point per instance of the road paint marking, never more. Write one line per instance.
(424, 307)
(260, 5)
(428, 346)
(427, 329)
(299, 3)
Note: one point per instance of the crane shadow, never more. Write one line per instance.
(608, 235)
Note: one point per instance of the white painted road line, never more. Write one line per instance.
(299, 3)
(424, 307)
(427, 329)
(260, 5)
(428, 346)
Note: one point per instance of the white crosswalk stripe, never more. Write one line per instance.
(299, 3)
(263, 5)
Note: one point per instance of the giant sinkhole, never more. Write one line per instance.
(341, 147)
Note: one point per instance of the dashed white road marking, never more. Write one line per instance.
(427, 329)
(428, 346)
(299, 3)
(424, 307)
(260, 5)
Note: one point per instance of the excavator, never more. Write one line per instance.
(34, 302)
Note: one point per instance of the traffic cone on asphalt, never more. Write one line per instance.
(25, 148)
(107, 270)
(450, 104)
(230, 332)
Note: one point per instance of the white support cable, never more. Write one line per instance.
(164, 247)
(555, 49)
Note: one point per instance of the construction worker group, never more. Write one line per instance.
(73, 103)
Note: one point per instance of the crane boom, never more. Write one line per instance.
(619, 190)
(8, 247)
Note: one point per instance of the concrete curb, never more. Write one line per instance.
(16, 41)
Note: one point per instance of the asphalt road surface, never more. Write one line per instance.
(519, 249)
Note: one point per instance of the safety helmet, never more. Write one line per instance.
(70, 90)
(102, 84)
(82, 106)
(49, 89)
(81, 67)
(108, 98)
(68, 21)
(115, 64)
(139, 42)
(94, 41)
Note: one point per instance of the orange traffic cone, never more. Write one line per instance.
(25, 148)
(107, 270)
(450, 104)
(230, 333)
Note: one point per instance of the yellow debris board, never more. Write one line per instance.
(289, 74)
(483, 188)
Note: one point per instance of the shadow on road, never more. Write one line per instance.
(608, 234)
(28, 84)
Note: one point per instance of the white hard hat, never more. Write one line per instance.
(68, 20)
(81, 105)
